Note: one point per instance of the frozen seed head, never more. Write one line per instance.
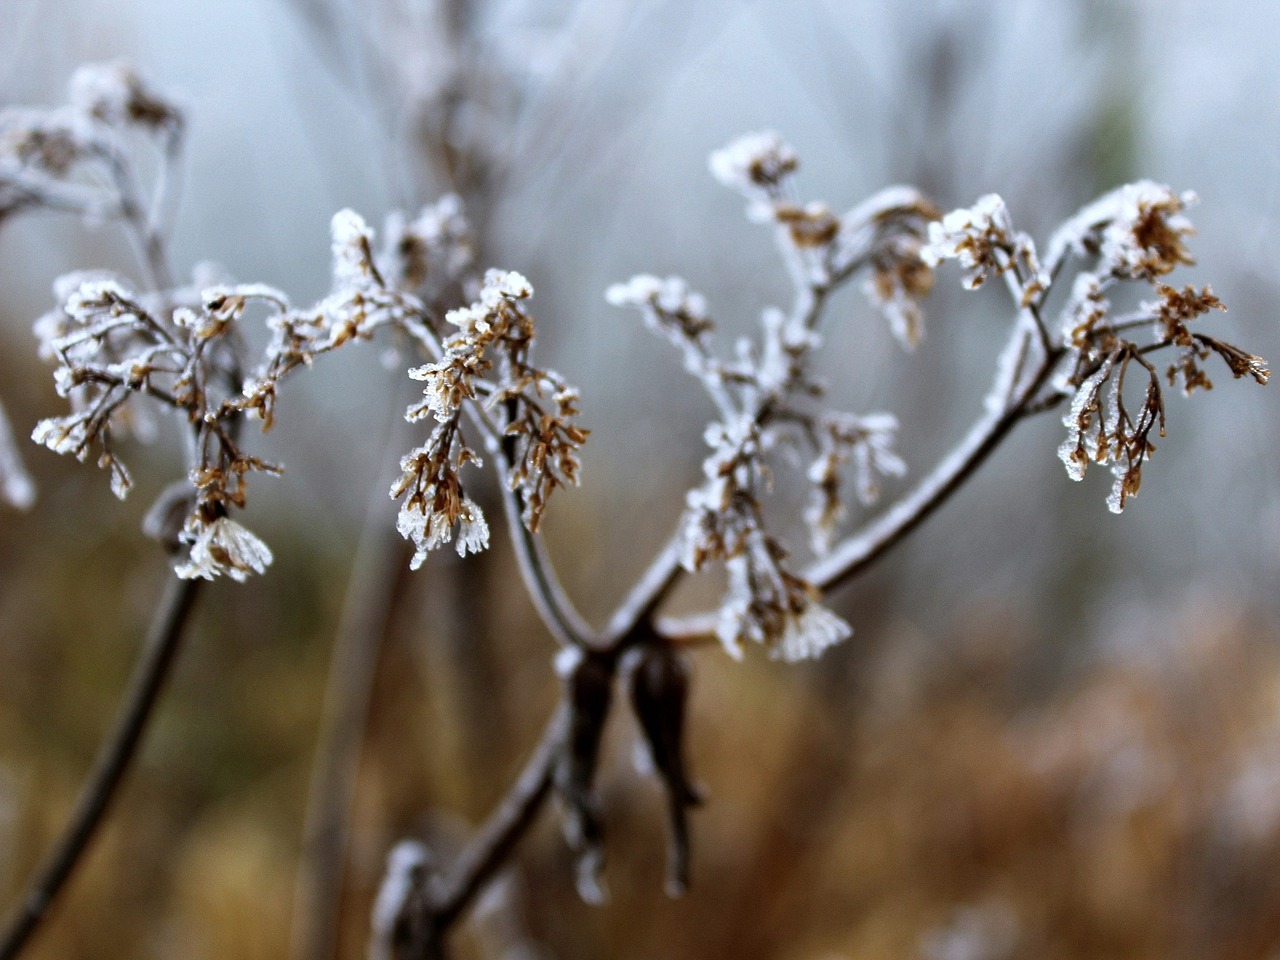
(352, 249)
(1145, 240)
(977, 236)
(809, 634)
(500, 285)
(1136, 231)
(670, 296)
(754, 163)
(116, 94)
(223, 548)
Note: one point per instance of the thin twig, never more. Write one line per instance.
(856, 553)
(114, 759)
(480, 860)
(653, 587)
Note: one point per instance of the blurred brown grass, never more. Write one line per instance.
(942, 797)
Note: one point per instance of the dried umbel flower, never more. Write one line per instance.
(433, 249)
(1132, 234)
(755, 164)
(532, 410)
(115, 94)
(767, 396)
(221, 547)
(1136, 232)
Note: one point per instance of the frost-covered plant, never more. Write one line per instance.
(124, 351)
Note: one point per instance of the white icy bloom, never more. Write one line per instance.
(807, 635)
(224, 547)
(67, 434)
(973, 236)
(52, 141)
(1136, 230)
(93, 295)
(754, 162)
(502, 285)
(428, 530)
(114, 92)
(671, 296)
(435, 243)
(473, 319)
(352, 249)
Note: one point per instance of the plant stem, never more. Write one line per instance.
(861, 550)
(115, 757)
(504, 828)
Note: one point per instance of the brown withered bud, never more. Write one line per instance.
(658, 682)
(588, 680)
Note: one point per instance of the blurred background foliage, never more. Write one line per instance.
(1055, 734)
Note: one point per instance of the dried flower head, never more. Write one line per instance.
(115, 94)
(980, 237)
(222, 547)
(754, 164)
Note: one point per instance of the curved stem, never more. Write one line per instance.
(653, 587)
(504, 828)
(114, 759)
(861, 550)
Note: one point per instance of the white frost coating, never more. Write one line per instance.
(224, 547)
(809, 635)
(970, 236)
(430, 530)
(406, 872)
(502, 285)
(16, 485)
(1109, 222)
(114, 92)
(753, 162)
(1077, 450)
(671, 295)
(352, 246)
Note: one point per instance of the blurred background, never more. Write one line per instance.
(1055, 733)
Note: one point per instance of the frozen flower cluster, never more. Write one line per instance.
(533, 410)
(983, 240)
(769, 399)
(1116, 407)
(76, 158)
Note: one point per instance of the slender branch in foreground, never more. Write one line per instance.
(115, 757)
(549, 598)
(491, 847)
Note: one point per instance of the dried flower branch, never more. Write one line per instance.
(122, 353)
(768, 397)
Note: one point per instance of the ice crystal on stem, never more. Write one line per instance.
(223, 548)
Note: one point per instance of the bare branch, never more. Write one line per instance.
(115, 758)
